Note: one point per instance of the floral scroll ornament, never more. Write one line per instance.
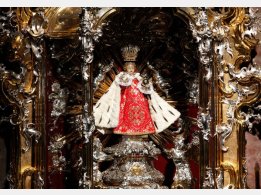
(222, 47)
(103, 70)
(242, 92)
(183, 175)
(253, 26)
(59, 97)
(204, 121)
(90, 33)
(55, 147)
(252, 117)
(203, 35)
(21, 87)
(209, 182)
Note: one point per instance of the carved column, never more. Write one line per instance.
(206, 116)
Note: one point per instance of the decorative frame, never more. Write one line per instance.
(229, 82)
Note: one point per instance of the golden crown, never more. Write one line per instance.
(130, 53)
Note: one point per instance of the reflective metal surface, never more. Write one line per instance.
(132, 165)
(56, 62)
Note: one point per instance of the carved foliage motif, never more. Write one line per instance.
(238, 78)
(165, 71)
(238, 74)
(90, 33)
(20, 71)
(64, 105)
(203, 35)
(242, 79)
(224, 34)
(20, 86)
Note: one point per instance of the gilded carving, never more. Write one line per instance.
(239, 80)
(226, 91)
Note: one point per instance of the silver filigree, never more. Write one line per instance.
(97, 175)
(28, 130)
(193, 90)
(220, 178)
(220, 33)
(55, 147)
(59, 97)
(252, 118)
(37, 24)
(183, 176)
(131, 146)
(201, 28)
(85, 181)
(203, 35)
(204, 123)
(209, 182)
(159, 80)
(253, 26)
(26, 46)
(90, 34)
(103, 70)
(6, 26)
(39, 181)
(224, 130)
(98, 157)
(245, 72)
(88, 124)
(132, 166)
(98, 154)
(78, 163)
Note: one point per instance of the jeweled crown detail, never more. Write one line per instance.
(130, 53)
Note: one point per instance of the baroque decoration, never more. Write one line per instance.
(129, 98)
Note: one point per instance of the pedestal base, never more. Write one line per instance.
(133, 166)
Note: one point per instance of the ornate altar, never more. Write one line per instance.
(56, 63)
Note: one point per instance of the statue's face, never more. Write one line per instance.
(130, 67)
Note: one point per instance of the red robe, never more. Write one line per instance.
(126, 110)
(134, 117)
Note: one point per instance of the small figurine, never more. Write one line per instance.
(131, 106)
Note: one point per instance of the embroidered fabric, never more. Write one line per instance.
(135, 118)
(125, 79)
(125, 108)
(145, 88)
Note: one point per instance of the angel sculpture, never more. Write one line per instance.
(131, 106)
